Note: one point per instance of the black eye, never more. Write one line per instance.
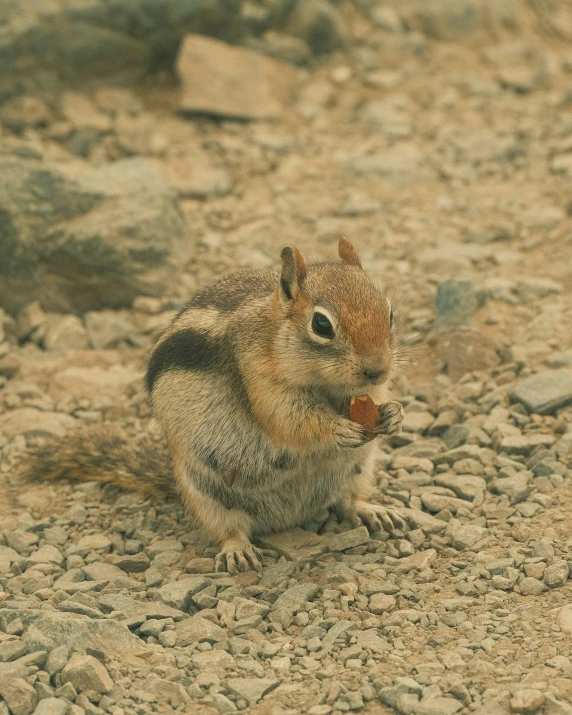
(322, 326)
(391, 317)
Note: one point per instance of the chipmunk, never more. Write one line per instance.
(251, 384)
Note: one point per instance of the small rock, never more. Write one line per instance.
(179, 594)
(564, 619)
(229, 81)
(297, 544)
(52, 706)
(544, 392)
(438, 706)
(350, 539)
(56, 660)
(295, 597)
(11, 650)
(199, 630)
(30, 421)
(465, 536)
(213, 659)
(85, 672)
(531, 586)
(527, 701)
(252, 689)
(20, 697)
(556, 574)
(64, 332)
(380, 603)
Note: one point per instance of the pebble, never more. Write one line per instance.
(252, 689)
(349, 539)
(544, 392)
(527, 701)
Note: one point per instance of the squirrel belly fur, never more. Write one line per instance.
(251, 385)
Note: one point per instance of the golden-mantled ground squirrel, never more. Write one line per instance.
(251, 384)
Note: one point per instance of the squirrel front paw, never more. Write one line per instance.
(390, 418)
(348, 434)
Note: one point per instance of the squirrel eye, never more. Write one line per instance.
(391, 318)
(322, 326)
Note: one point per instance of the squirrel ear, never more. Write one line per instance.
(348, 253)
(293, 272)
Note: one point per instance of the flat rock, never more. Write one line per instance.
(297, 544)
(527, 701)
(295, 597)
(134, 608)
(30, 421)
(179, 594)
(228, 81)
(199, 630)
(52, 706)
(252, 689)
(349, 539)
(544, 392)
(213, 659)
(19, 696)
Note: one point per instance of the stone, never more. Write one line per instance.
(295, 597)
(134, 608)
(380, 603)
(213, 659)
(544, 392)
(556, 574)
(56, 660)
(52, 706)
(465, 536)
(85, 672)
(109, 328)
(296, 544)
(527, 701)
(19, 696)
(227, 81)
(350, 539)
(564, 619)
(48, 630)
(133, 563)
(25, 112)
(457, 19)
(11, 650)
(95, 542)
(124, 211)
(47, 554)
(64, 332)
(456, 301)
(30, 421)
(199, 630)
(319, 25)
(179, 594)
(252, 689)
(195, 176)
(468, 350)
(530, 586)
(438, 706)
(402, 686)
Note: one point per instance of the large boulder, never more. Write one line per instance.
(78, 238)
(46, 44)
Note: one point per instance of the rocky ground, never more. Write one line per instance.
(438, 138)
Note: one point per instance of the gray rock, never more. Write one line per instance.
(531, 586)
(457, 301)
(349, 539)
(109, 328)
(466, 536)
(319, 25)
(544, 392)
(64, 332)
(179, 594)
(56, 660)
(295, 597)
(11, 650)
(213, 659)
(455, 19)
(30, 421)
(402, 686)
(556, 574)
(118, 225)
(52, 706)
(85, 672)
(223, 80)
(199, 630)
(118, 44)
(252, 689)
(296, 545)
(437, 706)
(20, 697)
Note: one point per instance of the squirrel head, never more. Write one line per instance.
(336, 326)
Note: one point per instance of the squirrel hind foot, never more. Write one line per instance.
(238, 554)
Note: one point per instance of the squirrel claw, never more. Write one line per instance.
(238, 555)
(379, 518)
(349, 434)
(390, 418)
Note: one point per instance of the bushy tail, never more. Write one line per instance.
(103, 454)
